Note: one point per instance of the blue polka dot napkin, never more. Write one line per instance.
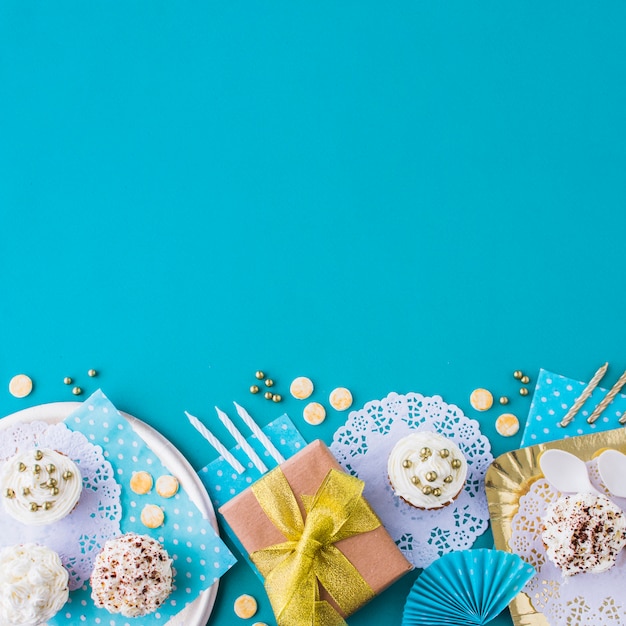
(554, 395)
(200, 557)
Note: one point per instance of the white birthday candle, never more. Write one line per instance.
(241, 440)
(216, 443)
(259, 434)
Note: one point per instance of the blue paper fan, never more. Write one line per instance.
(469, 587)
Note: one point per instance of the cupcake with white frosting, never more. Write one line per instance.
(427, 470)
(33, 585)
(584, 533)
(132, 575)
(40, 486)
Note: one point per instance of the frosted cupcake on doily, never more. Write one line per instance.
(364, 444)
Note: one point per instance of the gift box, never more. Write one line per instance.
(320, 547)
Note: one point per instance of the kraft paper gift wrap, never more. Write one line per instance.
(373, 553)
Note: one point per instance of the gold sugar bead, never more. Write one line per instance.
(92, 373)
(38, 455)
(436, 491)
(21, 467)
(254, 389)
(523, 391)
(415, 480)
(427, 490)
(67, 475)
(455, 463)
(77, 391)
(54, 491)
(268, 395)
(67, 380)
(26, 491)
(47, 506)
(517, 374)
(425, 453)
(52, 482)
(9, 493)
(504, 400)
(448, 479)
(431, 477)
(260, 375)
(524, 379)
(34, 506)
(277, 397)
(444, 454)
(36, 469)
(269, 382)
(406, 463)
(50, 468)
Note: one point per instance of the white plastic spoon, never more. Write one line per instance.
(566, 472)
(612, 468)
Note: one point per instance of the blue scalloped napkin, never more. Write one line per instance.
(200, 556)
(554, 395)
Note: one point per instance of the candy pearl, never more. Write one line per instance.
(504, 400)
(455, 463)
(67, 475)
(47, 506)
(406, 463)
(427, 490)
(431, 476)
(415, 480)
(36, 469)
(77, 391)
(448, 479)
(268, 395)
(67, 380)
(277, 397)
(260, 375)
(50, 468)
(517, 374)
(254, 389)
(38, 455)
(436, 491)
(269, 382)
(26, 491)
(52, 483)
(524, 379)
(9, 493)
(92, 373)
(34, 506)
(425, 452)
(21, 467)
(54, 491)
(523, 391)
(444, 454)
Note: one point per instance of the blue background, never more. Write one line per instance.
(387, 196)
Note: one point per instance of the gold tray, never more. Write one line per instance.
(509, 478)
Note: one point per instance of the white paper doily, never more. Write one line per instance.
(584, 599)
(79, 537)
(362, 446)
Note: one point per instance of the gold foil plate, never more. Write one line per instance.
(509, 478)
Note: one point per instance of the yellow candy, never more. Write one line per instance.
(340, 399)
(20, 386)
(152, 516)
(167, 486)
(507, 425)
(245, 606)
(141, 482)
(314, 413)
(301, 388)
(481, 399)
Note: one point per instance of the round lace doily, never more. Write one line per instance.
(362, 446)
(79, 537)
(583, 599)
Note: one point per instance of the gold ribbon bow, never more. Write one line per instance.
(292, 569)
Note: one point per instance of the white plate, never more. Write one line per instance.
(198, 612)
